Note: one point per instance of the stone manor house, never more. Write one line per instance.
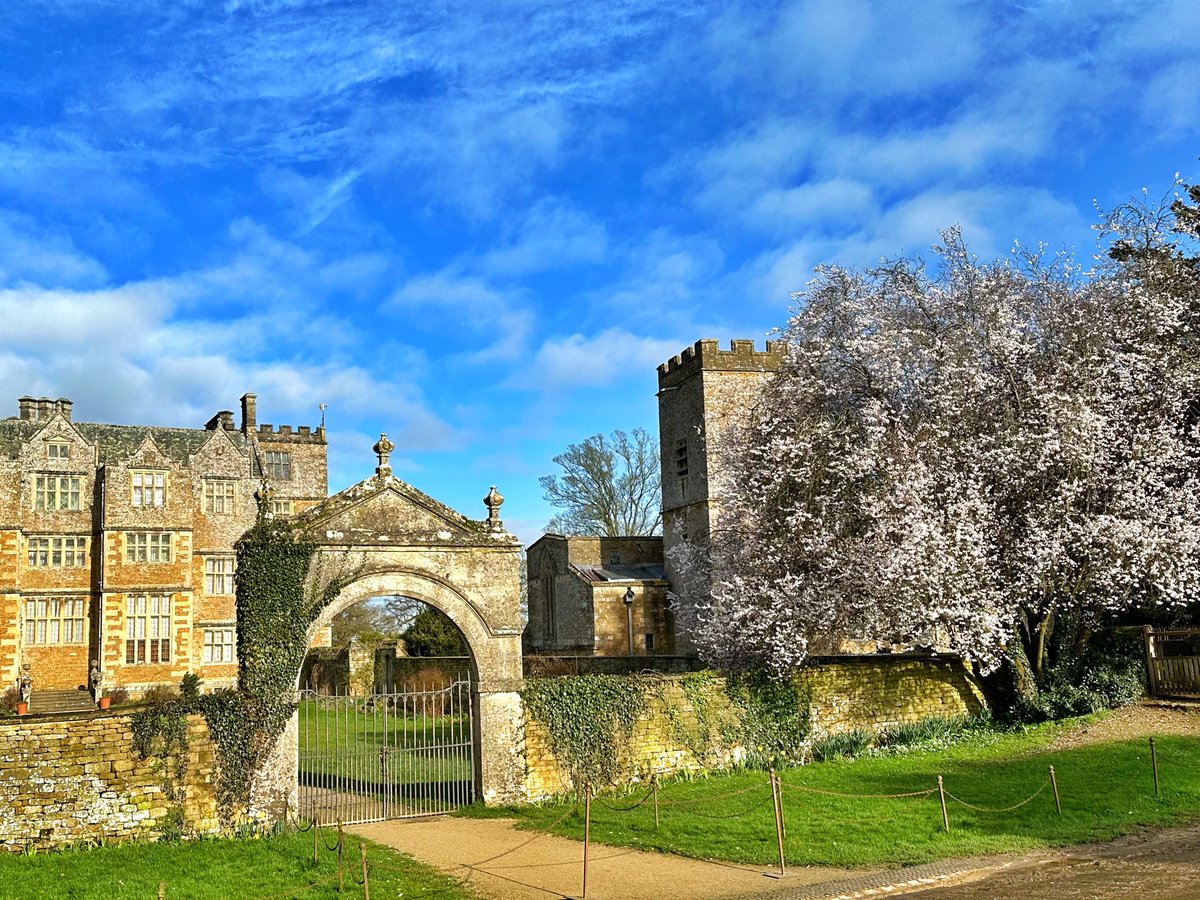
(116, 542)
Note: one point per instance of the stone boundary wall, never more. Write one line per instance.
(77, 778)
(871, 692)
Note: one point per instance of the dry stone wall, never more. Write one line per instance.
(77, 778)
(870, 692)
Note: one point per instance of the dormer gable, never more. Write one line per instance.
(220, 456)
(58, 446)
(148, 456)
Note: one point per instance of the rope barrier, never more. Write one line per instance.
(812, 790)
(740, 813)
(754, 787)
(521, 846)
(985, 809)
(332, 849)
(649, 794)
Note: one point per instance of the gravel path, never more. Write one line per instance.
(550, 866)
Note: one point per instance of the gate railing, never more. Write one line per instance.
(1173, 661)
(365, 758)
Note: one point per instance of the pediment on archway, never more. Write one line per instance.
(386, 510)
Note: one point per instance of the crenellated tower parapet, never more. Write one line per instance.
(707, 355)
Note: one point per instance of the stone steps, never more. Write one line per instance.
(41, 702)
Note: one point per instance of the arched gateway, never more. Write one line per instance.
(384, 537)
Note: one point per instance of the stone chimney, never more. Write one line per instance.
(64, 407)
(223, 420)
(45, 408)
(249, 416)
(28, 408)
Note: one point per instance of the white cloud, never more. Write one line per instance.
(602, 359)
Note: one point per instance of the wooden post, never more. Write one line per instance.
(362, 852)
(162, 890)
(654, 788)
(942, 797)
(587, 832)
(1054, 784)
(1148, 639)
(776, 802)
(1154, 764)
(316, 830)
(341, 839)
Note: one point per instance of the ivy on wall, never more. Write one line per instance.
(275, 610)
(590, 719)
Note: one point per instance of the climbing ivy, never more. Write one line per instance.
(160, 730)
(775, 714)
(275, 606)
(590, 719)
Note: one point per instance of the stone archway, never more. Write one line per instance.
(385, 537)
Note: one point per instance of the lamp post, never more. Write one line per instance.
(629, 616)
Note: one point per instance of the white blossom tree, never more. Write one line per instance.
(972, 450)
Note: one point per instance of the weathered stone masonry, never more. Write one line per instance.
(77, 778)
(872, 692)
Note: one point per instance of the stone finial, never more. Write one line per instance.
(383, 449)
(492, 501)
(264, 495)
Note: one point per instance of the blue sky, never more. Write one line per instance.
(479, 226)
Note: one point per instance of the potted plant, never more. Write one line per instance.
(104, 701)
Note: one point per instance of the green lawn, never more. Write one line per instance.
(218, 870)
(1106, 790)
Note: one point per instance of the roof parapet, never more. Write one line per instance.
(707, 355)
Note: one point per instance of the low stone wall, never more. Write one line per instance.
(871, 692)
(877, 691)
(77, 778)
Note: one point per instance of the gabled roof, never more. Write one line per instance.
(117, 442)
(385, 510)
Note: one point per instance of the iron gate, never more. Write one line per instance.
(371, 757)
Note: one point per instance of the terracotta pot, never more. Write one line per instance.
(22, 709)
(104, 701)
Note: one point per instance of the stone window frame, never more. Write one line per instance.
(55, 621)
(154, 493)
(153, 547)
(281, 507)
(148, 629)
(219, 645)
(56, 551)
(219, 572)
(57, 492)
(59, 450)
(219, 496)
(277, 464)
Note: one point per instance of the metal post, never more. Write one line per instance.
(362, 852)
(1154, 765)
(1054, 784)
(942, 796)
(316, 830)
(654, 788)
(776, 802)
(587, 832)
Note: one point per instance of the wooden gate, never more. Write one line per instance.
(372, 757)
(1173, 661)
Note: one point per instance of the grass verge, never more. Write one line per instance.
(219, 869)
(1106, 790)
